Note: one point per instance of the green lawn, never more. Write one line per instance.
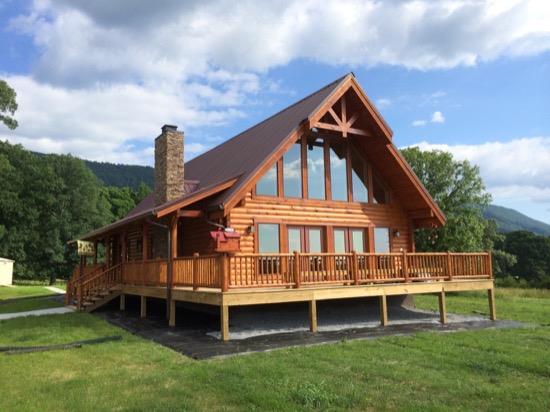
(11, 292)
(23, 305)
(477, 370)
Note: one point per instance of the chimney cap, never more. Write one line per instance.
(169, 128)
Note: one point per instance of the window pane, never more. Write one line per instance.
(358, 240)
(267, 185)
(315, 171)
(339, 241)
(314, 237)
(381, 240)
(338, 179)
(359, 178)
(294, 240)
(268, 238)
(379, 193)
(292, 171)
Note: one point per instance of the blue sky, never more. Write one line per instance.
(98, 79)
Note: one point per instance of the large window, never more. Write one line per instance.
(338, 174)
(350, 239)
(267, 186)
(315, 170)
(382, 240)
(292, 171)
(268, 238)
(359, 175)
(337, 162)
(305, 239)
(379, 192)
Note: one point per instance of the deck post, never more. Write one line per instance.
(172, 320)
(143, 307)
(405, 267)
(355, 267)
(383, 310)
(313, 315)
(224, 268)
(224, 322)
(492, 309)
(449, 266)
(122, 301)
(297, 277)
(195, 270)
(442, 308)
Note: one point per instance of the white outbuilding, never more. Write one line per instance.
(6, 271)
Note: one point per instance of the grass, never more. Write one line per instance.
(7, 292)
(524, 305)
(23, 305)
(504, 369)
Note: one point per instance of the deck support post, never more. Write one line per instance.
(442, 308)
(143, 307)
(313, 316)
(383, 310)
(224, 322)
(492, 309)
(172, 320)
(122, 301)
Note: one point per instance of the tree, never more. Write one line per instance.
(8, 105)
(533, 257)
(459, 191)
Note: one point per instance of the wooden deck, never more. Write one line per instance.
(253, 279)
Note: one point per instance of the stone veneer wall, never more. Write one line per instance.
(169, 173)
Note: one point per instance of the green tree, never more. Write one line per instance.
(458, 189)
(8, 105)
(533, 257)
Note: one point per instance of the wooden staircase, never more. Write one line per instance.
(94, 289)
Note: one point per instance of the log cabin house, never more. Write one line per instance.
(313, 203)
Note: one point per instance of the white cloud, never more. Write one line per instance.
(85, 42)
(518, 170)
(98, 122)
(437, 117)
(109, 72)
(418, 123)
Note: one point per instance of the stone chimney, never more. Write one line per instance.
(168, 165)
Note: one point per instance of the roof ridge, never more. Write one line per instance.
(275, 114)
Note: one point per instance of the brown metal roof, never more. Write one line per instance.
(242, 154)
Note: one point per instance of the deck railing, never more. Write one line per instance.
(285, 270)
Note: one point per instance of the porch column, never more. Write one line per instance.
(224, 322)
(313, 315)
(95, 252)
(383, 310)
(143, 307)
(123, 246)
(172, 319)
(492, 309)
(172, 254)
(108, 251)
(145, 241)
(442, 308)
(122, 302)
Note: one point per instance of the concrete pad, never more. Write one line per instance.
(55, 290)
(39, 312)
(261, 329)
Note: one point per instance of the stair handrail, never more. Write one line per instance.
(85, 281)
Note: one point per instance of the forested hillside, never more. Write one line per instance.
(122, 175)
(509, 220)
